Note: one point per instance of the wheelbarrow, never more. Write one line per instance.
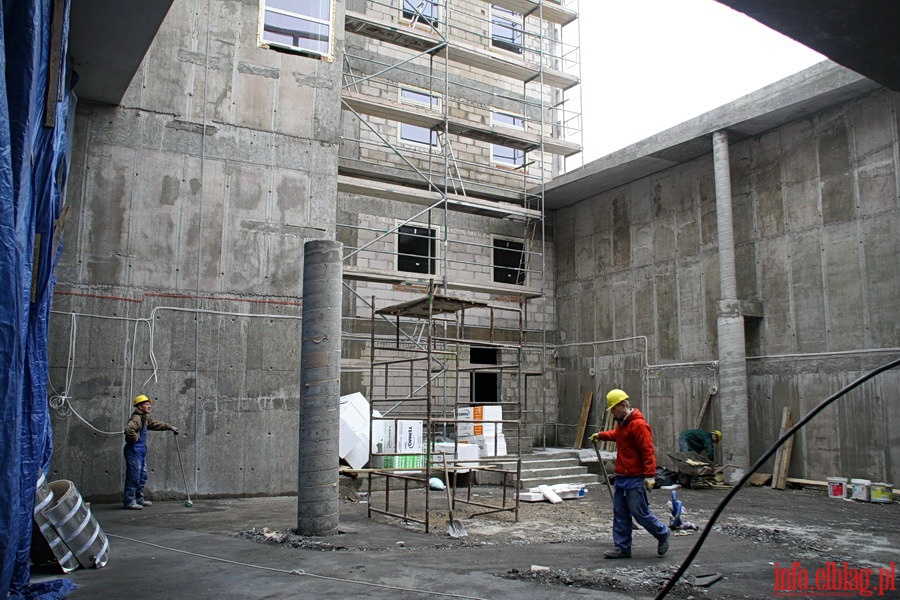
(693, 468)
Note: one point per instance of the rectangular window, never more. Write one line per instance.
(509, 262)
(300, 25)
(510, 157)
(416, 133)
(413, 96)
(421, 11)
(506, 29)
(508, 120)
(415, 249)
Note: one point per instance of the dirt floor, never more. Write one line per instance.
(766, 544)
(761, 546)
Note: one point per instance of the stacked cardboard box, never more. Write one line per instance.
(402, 437)
(470, 453)
(484, 428)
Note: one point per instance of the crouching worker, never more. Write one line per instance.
(699, 441)
(635, 473)
(136, 451)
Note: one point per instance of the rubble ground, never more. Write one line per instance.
(249, 549)
(763, 526)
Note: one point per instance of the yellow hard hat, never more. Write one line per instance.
(718, 435)
(614, 397)
(141, 399)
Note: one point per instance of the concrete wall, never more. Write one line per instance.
(816, 233)
(182, 257)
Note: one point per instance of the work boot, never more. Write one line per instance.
(616, 554)
(135, 506)
(145, 503)
(663, 546)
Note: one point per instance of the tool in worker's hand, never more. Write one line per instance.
(606, 480)
(454, 527)
(183, 477)
(603, 467)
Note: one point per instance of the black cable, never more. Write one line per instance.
(715, 515)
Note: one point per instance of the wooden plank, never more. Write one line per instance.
(783, 454)
(699, 421)
(608, 423)
(582, 420)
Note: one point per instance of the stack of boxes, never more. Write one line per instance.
(482, 428)
(480, 435)
(402, 437)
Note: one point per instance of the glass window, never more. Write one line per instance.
(510, 120)
(412, 96)
(503, 155)
(509, 262)
(302, 25)
(415, 249)
(418, 134)
(506, 29)
(422, 11)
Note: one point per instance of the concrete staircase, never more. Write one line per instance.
(544, 467)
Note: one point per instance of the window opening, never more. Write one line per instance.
(504, 155)
(300, 25)
(415, 249)
(509, 262)
(421, 11)
(506, 29)
(416, 133)
(508, 119)
(413, 96)
(484, 386)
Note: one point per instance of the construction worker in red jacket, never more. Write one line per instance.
(635, 475)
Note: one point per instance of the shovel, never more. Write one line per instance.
(606, 480)
(454, 527)
(605, 476)
(183, 478)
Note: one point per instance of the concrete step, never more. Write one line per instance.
(542, 468)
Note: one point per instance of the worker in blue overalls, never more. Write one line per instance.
(136, 451)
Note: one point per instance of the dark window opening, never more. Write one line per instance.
(415, 249)
(484, 388)
(509, 262)
(480, 355)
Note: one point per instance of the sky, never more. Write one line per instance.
(647, 65)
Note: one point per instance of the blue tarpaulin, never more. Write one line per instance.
(33, 168)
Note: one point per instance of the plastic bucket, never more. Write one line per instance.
(74, 523)
(881, 492)
(837, 487)
(43, 498)
(860, 489)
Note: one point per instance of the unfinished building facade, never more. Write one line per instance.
(418, 134)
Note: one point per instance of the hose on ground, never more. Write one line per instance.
(762, 459)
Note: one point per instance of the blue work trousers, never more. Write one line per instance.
(630, 500)
(135, 475)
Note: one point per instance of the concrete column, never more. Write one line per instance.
(733, 404)
(320, 387)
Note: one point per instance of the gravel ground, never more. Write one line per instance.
(757, 529)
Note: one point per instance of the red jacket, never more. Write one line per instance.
(635, 455)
